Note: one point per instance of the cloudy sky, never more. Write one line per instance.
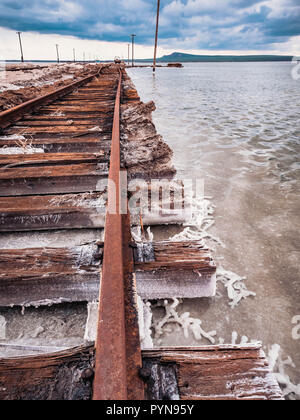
(102, 27)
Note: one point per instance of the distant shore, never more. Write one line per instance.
(182, 58)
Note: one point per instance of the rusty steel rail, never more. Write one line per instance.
(14, 114)
(118, 352)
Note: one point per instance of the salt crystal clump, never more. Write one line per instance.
(201, 220)
(139, 236)
(278, 366)
(90, 334)
(96, 129)
(82, 200)
(2, 328)
(145, 322)
(58, 113)
(187, 323)
(27, 150)
(13, 137)
(236, 288)
(244, 340)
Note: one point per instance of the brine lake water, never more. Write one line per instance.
(237, 126)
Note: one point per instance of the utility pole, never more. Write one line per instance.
(74, 55)
(133, 36)
(128, 54)
(84, 57)
(156, 35)
(57, 52)
(21, 47)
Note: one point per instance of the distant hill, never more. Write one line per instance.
(191, 58)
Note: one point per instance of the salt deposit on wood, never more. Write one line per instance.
(145, 323)
(19, 150)
(92, 322)
(2, 328)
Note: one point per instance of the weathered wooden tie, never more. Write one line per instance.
(43, 275)
(208, 373)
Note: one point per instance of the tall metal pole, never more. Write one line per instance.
(156, 35)
(57, 52)
(133, 36)
(128, 54)
(21, 47)
(74, 55)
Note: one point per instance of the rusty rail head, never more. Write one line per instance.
(14, 114)
(113, 368)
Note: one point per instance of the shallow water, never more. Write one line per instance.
(237, 126)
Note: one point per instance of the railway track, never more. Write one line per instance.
(60, 165)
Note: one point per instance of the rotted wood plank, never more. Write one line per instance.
(14, 114)
(69, 108)
(65, 375)
(51, 121)
(168, 255)
(52, 179)
(214, 373)
(61, 134)
(33, 277)
(71, 131)
(177, 269)
(66, 129)
(21, 160)
(88, 143)
(24, 140)
(43, 275)
(178, 373)
(51, 212)
(62, 117)
(76, 113)
(83, 169)
(109, 100)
